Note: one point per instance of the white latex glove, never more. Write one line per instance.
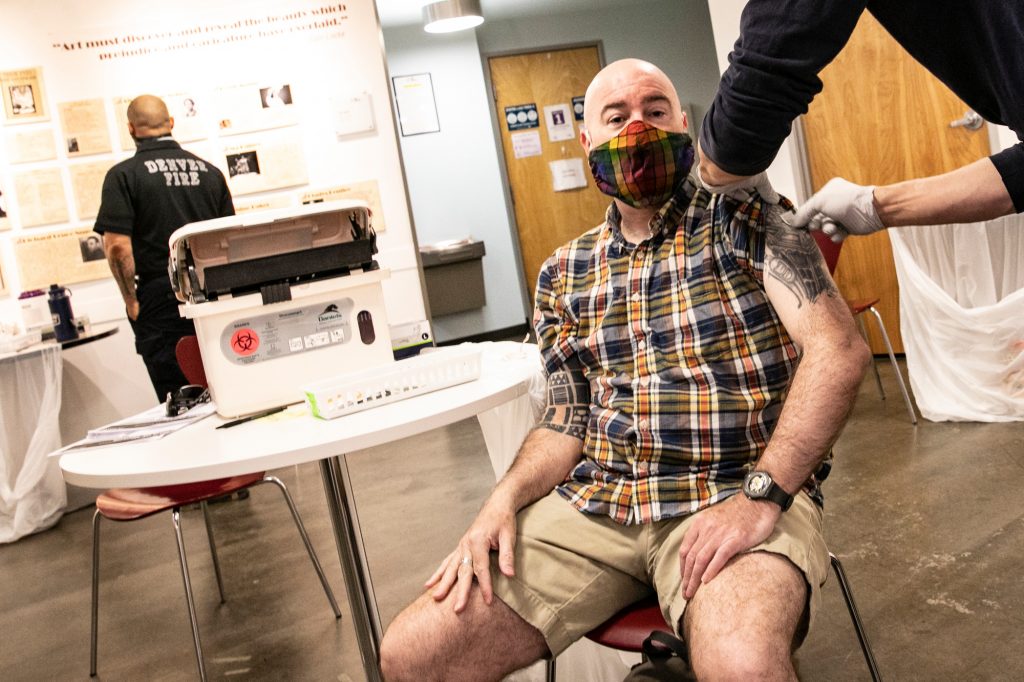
(741, 189)
(839, 209)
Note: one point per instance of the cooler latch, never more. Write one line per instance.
(276, 293)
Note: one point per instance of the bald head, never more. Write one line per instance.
(148, 117)
(629, 90)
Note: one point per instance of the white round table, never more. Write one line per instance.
(201, 452)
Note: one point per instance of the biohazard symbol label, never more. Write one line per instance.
(245, 342)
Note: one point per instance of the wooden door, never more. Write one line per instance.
(882, 118)
(545, 219)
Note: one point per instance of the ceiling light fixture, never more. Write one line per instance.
(446, 16)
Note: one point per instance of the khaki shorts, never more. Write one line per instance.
(576, 570)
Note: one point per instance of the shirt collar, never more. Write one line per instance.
(663, 223)
(149, 143)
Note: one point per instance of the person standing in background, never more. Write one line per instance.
(144, 200)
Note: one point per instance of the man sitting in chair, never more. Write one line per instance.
(700, 363)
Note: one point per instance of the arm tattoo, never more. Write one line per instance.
(123, 268)
(797, 263)
(568, 409)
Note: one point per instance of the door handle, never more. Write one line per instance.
(971, 120)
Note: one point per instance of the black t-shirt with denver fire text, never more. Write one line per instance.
(154, 193)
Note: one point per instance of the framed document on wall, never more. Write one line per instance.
(414, 100)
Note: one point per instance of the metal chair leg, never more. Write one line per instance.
(862, 637)
(213, 550)
(305, 539)
(95, 590)
(874, 363)
(176, 519)
(551, 670)
(895, 367)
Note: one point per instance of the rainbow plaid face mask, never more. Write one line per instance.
(642, 165)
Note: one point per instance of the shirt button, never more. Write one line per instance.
(644, 381)
(644, 424)
(641, 344)
(635, 297)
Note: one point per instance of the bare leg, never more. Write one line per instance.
(741, 625)
(429, 641)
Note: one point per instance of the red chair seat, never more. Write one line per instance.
(860, 305)
(627, 629)
(128, 504)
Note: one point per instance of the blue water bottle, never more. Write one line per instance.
(60, 310)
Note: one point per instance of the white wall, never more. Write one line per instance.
(454, 176)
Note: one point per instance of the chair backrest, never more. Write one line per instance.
(190, 361)
(829, 249)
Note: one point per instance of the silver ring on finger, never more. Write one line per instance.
(466, 561)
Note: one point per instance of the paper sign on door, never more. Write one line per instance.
(567, 174)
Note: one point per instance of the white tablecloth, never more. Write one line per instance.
(32, 491)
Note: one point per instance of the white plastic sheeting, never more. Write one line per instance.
(32, 490)
(962, 318)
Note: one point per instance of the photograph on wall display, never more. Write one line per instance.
(189, 109)
(276, 96)
(243, 163)
(84, 124)
(23, 101)
(250, 107)
(91, 247)
(23, 95)
(266, 161)
(63, 256)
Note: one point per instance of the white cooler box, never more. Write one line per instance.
(281, 299)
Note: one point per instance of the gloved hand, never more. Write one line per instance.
(741, 189)
(839, 209)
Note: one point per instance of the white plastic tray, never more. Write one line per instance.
(429, 371)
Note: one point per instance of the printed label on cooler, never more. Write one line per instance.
(299, 330)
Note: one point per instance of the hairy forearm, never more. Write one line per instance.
(969, 194)
(543, 461)
(554, 447)
(819, 403)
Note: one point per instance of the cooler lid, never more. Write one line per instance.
(252, 250)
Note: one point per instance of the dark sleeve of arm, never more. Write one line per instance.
(772, 77)
(116, 213)
(1010, 164)
(227, 206)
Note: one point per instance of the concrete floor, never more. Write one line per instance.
(929, 523)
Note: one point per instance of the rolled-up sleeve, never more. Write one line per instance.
(1010, 164)
(554, 325)
(772, 78)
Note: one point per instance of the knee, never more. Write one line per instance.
(410, 649)
(742, 655)
(397, 660)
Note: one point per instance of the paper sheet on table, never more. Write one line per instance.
(152, 424)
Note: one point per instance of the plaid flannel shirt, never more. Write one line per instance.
(688, 363)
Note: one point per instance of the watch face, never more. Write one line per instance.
(757, 484)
